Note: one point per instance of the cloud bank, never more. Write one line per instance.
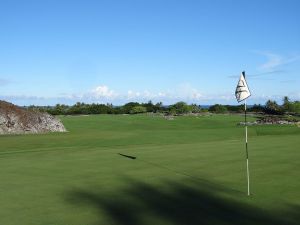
(104, 94)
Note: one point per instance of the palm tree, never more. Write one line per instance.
(286, 103)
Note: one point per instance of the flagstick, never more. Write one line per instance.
(246, 138)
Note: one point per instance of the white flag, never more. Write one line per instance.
(242, 91)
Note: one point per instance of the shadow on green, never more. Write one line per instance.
(194, 203)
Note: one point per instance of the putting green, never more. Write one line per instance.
(121, 169)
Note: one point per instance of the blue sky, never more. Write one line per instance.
(139, 50)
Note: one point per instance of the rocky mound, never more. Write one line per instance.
(16, 120)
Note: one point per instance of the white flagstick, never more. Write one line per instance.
(246, 139)
(242, 92)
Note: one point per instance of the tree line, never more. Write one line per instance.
(128, 108)
(271, 107)
(179, 108)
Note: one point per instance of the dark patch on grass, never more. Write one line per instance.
(201, 203)
(127, 156)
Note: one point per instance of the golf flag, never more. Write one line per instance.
(242, 91)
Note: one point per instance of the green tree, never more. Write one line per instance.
(129, 106)
(158, 107)
(138, 109)
(195, 108)
(180, 108)
(256, 108)
(58, 109)
(217, 108)
(295, 107)
(272, 107)
(286, 106)
(149, 106)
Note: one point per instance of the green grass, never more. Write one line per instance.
(190, 170)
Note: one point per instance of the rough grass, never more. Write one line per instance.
(190, 170)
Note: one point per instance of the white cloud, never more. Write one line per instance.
(133, 95)
(187, 91)
(102, 91)
(275, 61)
(225, 98)
(183, 92)
(161, 94)
(141, 96)
(103, 94)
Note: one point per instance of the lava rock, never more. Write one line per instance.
(17, 120)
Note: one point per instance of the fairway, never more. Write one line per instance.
(144, 169)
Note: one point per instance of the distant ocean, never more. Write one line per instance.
(205, 106)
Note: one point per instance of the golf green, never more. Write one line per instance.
(145, 169)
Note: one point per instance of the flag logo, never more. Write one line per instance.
(242, 91)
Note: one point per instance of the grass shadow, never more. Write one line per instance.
(127, 156)
(179, 204)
